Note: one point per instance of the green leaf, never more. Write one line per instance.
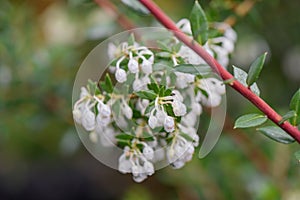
(91, 86)
(164, 54)
(154, 87)
(250, 120)
(277, 134)
(146, 94)
(131, 40)
(287, 116)
(297, 155)
(199, 24)
(193, 69)
(241, 76)
(136, 5)
(295, 105)
(108, 84)
(124, 136)
(255, 69)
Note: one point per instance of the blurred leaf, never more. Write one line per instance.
(241, 76)
(287, 116)
(277, 134)
(193, 69)
(136, 5)
(297, 155)
(295, 105)
(146, 94)
(255, 69)
(250, 120)
(199, 24)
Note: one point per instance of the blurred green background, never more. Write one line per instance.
(42, 44)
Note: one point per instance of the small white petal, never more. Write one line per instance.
(133, 66)
(169, 124)
(121, 75)
(146, 66)
(88, 120)
(148, 153)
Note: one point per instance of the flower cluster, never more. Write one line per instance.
(152, 113)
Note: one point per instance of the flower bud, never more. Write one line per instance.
(152, 121)
(146, 66)
(148, 152)
(77, 115)
(88, 120)
(121, 75)
(169, 124)
(179, 108)
(127, 111)
(148, 168)
(133, 66)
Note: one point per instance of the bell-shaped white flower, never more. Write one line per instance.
(133, 65)
(169, 124)
(196, 108)
(148, 152)
(121, 75)
(179, 108)
(127, 111)
(104, 110)
(146, 66)
(139, 178)
(152, 121)
(88, 120)
(83, 93)
(77, 115)
(137, 85)
(102, 120)
(125, 164)
(148, 168)
(184, 25)
(213, 99)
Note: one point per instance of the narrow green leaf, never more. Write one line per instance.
(255, 69)
(295, 105)
(136, 5)
(193, 69)
(131, 40)
(199, 24)
(287, 116)
(297, 155)
(109, 84)
(124, 136)
(241, 76)
(277, 134)
(146, 94)
(250, 120)
(164, 54)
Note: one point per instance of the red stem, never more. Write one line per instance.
(217, 67)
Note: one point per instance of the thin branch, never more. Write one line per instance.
(218, 68)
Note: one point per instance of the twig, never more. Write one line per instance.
(218, 68)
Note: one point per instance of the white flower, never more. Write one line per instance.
(196, 108)
(152, 121)
(104, 110)
(102, 120)
(148, 152)
(125, 164)
(177, 95)
(133, 66)
(139, 178)
(88, 120)
(83, 93)
(169, 124)
(213, 99)
(146, 66)
(111, 51)
(212, 85)
(77, 115)
(93, 137)
(179, 108)
(148, 168)
(137, 85)
(127, 111)
(189, 119)
(121, 75)
(160, 115)
(183, 79)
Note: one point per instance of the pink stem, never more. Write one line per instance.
(217, 67)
